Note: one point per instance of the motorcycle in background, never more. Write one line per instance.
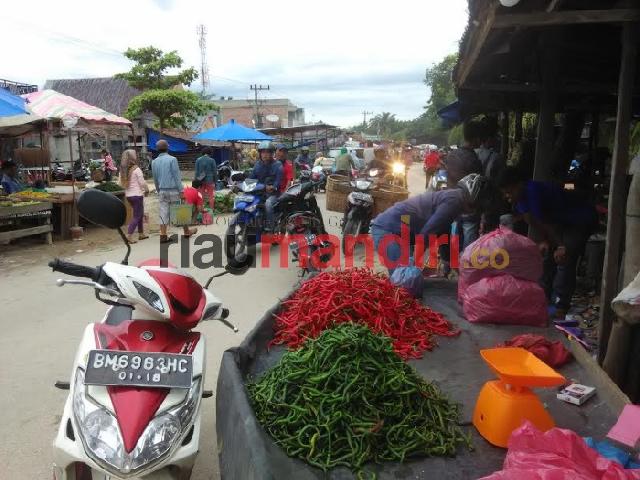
(135, 389)
(359, 210)
(246, 226)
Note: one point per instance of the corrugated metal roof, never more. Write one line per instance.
(110, 94)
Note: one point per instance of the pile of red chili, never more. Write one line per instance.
(359, 296)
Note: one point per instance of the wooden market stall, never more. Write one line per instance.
(71, 118)
(577, 59)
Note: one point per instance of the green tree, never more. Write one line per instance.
(150, 71)
(173, 108)
(384, 124)
(438, 78)
(162, 93)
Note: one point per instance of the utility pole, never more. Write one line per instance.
(204, 68)
(257, 88)
(364, 118)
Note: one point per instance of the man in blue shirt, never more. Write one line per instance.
(562, 222)
(10, 183)
(207, 175)
(430, 213)
(302, 161)
(168, 182)
(268, 172)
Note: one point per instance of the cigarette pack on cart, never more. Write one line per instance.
(576, 393)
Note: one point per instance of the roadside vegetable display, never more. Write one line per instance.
(346, 398)
(363, 297)
(109, 187)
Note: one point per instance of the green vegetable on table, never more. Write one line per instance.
(109, 187)
(223, 202)
(345, 398)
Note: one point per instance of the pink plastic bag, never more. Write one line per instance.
(207, 219)
(506, 300)
(486, 258)
(556, 454)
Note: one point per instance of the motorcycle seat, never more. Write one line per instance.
(118, 314)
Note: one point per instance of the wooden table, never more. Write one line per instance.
(37, 215)
(65, 215)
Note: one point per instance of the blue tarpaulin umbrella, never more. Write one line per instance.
(451, 113)
(232, 132)
(11, 104)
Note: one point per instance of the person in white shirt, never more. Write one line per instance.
(135, 190)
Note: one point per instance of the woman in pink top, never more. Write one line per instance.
(135, 191)
(109, 166)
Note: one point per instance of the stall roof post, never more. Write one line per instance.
(543, 166)
(618, 187)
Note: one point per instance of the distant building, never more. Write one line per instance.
(17, 88)
(113, 95)
(244, 112)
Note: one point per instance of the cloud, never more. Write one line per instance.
(164, 4)
(343, 59)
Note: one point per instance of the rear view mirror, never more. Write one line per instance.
(102, 208)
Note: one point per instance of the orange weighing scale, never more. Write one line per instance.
(505, 403)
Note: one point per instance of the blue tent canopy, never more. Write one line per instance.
(176, 145)
(11, 104)
(232, 132)
(451, 113)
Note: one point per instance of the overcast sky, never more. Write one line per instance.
(334, 58)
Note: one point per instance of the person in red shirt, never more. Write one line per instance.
(192, 196)
(287, 167)
(431, 164)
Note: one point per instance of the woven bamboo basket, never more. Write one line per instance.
(338, 188)
(386, 196)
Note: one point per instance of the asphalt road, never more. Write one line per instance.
(42, 325)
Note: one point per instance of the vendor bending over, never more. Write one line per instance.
(430, 213)
(561, 221)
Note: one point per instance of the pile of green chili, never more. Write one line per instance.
(345, 398)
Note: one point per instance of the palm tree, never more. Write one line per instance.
(383, 123)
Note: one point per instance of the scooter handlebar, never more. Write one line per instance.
(73, 269)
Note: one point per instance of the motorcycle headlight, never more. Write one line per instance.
(98, 428)
(363, 184)
(251, 208)
(398, 168)
(102, 439)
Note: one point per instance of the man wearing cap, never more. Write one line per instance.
(268, 172)
(303, 162)
(168, 182)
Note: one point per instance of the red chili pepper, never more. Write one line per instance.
(361, 296)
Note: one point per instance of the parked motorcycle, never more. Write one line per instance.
(62, 174)
(137, 381)
(300, 214)
(359, 210)
(224, 172)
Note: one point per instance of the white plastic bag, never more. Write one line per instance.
(627, 303)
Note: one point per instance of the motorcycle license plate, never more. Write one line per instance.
(244, 198)
(139, 369)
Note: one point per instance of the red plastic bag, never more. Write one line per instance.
(497, 253)
(556, 454)
(553, 354)
(506, 300)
